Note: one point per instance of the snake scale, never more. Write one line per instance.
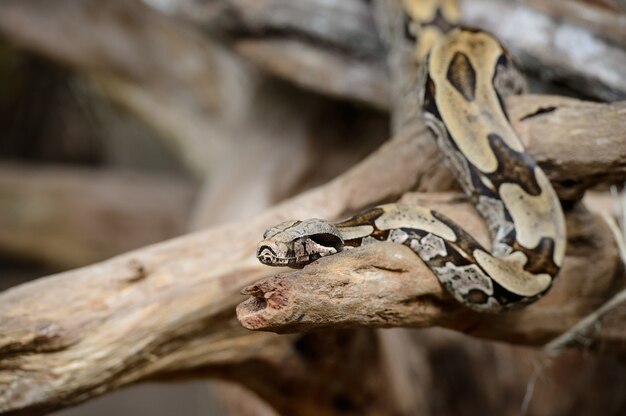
(465, 74)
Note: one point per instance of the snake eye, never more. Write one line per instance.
(327, 240)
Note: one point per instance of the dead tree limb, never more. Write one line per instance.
(557, 49)
(317, 69)
(591, 128)
(68, 217)
(167, 310)
(181, 84)
(539, 120)
(604, 318)
(342, 32)
(605, 22)
(549, 52)
(386, 285)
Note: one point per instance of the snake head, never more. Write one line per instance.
(298, 243)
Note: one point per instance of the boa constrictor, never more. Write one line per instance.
(463, 81)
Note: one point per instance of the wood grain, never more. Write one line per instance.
(167, 310)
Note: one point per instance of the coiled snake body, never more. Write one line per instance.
(464, 79)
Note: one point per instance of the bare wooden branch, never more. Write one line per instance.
(602, 21)
(549, 52)
(557, 49)
(185, 87)
(613, 310)
(541, 122)
(342, 32)
(345, 24)
(72, 217)
(168, 309)
(590, 129)
(385, 285)
(160, 310)
(320, 70)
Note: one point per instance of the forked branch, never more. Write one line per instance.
(167, 310)
(387, 285)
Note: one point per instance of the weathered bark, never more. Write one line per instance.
(342, 32)
(174, 301)
(72, 217)
(590, 128)
(608, 23)
(190, 90)
(168, 308)
(321, 70)
(385, 285)
(166, 311)
(540, 121)
(557, 49)
(548, 52)
(609, 317)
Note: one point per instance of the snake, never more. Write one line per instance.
(464, 76)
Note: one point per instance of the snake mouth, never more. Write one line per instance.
(267, 256)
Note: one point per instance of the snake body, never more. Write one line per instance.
(464, 78)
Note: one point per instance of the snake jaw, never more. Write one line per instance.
(297, 253)
(272, 254)
(298, 243)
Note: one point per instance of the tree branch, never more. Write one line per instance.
(167, 309)
(343, 32)
(163, 310)
(387, 285)
(70, 217)
(607, 23)
(559, 133)
(558, 49)
(318, 69)
(189, 89)
(593, 140)
(548, 52)
(612, 311)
